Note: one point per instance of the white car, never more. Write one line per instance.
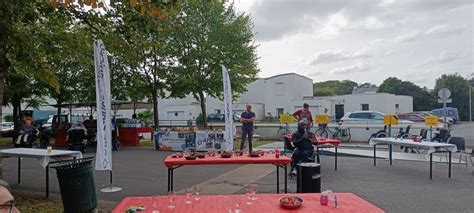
(365, 117)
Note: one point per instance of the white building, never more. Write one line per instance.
(272, 96)
(287, 93)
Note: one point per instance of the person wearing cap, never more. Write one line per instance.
(7, 201)
(304, 115)
(302, 140)
(247, 119)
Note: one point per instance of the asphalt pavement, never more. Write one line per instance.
(403, 187)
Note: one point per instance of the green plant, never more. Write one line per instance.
(9, 118)
(145, 116)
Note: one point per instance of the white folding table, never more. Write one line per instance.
(429, 147)
(42, 156)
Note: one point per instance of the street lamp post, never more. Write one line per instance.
(471, 84)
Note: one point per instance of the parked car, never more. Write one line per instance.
(449, 120)
(451, 112)
(220, 118)
(417, 118)
(7, 129)
(367, 117)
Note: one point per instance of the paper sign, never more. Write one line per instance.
(390, 119)
(286, 118)
(322, 119)
(431, 120)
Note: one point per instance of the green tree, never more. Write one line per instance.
(459, 87)
(22, 24)
(333, 87)
(423, 100)
(205, 35)
(142, 31)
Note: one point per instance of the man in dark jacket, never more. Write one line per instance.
(302, 139)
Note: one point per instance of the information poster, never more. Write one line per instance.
(189, 141)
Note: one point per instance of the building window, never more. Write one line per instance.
(365, 107)
(397, 106)
(218, 111)
(279, 111)
(280, 88)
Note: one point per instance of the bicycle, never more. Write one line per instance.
(341, 133)
(282, 131)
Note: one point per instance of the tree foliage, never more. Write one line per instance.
(333, 87)
(423, 100)
(205, 35)
(459, 87)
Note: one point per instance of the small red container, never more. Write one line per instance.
(323, 200)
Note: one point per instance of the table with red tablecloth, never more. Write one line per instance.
(346, 202)
(128, 136)
(282, 161)
(321, 143)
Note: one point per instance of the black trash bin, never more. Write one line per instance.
(76, 182)
(309, 178)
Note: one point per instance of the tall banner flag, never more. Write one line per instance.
(228, 114)
(104, 122)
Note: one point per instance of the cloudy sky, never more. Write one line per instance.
(364, 40)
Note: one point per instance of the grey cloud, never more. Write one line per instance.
(443, 58)
(354, 68)
(275, 19)
(434, 32)
(443, 30)
(330, 56)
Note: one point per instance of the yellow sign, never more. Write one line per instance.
(431, 120)
(390, 119)
(286, 118)
(322, 119)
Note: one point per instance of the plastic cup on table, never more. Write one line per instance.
(253, 191)
(50, 149)
(197, 191)
(189, 193)
(172, 199)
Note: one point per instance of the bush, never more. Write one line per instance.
(9, 118)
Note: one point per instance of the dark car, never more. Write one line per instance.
(220, 118)
(7, 129)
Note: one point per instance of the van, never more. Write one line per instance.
(450, 112)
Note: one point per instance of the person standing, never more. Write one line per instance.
(247, 119)
(304, 115)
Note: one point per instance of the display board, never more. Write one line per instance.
(190, 141)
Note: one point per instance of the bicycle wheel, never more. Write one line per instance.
(282, 132)
(323, 133)
(344, 135)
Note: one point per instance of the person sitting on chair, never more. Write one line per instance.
(302, 140)
(28, 133)
(77, 133)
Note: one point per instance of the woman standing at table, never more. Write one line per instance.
(247, 119)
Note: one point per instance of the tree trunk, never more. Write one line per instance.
(55, 126)
(16, 116)
(2, 90)
(202, 101)
(155, 110)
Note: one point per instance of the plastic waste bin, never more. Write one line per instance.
(76, 183)
(308, 178)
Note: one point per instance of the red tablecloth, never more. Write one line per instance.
(347, 202)
(145, 129)
(319, 141)
(266, 159)
(128, 136)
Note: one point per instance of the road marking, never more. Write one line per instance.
(234, 180)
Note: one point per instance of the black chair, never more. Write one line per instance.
(460, 143)
(423, 133)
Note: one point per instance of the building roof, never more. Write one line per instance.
(275, 76)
